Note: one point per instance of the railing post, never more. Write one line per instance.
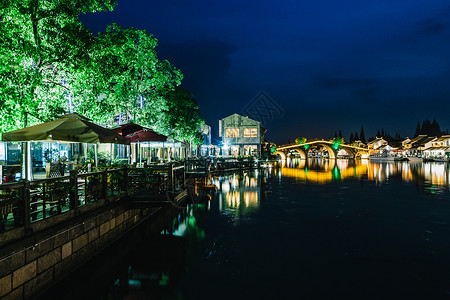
(125, 178)
(74, 190)
(184, 177)
(26, 204)
(171, 179)
(104, 184)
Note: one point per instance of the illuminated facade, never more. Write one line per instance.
(417, 145)
(438, 147)
(241, 135)
(377, 143)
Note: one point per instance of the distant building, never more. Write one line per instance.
(438, 148)
(206, 133)
(241, 135)
(417, 145)
(377, 143)
(207, 149)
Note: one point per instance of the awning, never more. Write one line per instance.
(137, 133)
(67, 128)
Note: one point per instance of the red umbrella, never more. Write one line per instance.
(138, 133)
(147, 136)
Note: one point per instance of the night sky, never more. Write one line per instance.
(322, 65)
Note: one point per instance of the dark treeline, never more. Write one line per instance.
(358, 137)
(427, 128)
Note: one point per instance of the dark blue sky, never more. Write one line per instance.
(326, 65)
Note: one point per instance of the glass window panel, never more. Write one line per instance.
(250, 132)
(232, 132)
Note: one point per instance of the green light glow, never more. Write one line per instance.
(47, 54)
(300, 140)
(336, 143)
(164, 279)
(135, 283)
(336, 173)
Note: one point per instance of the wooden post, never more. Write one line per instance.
(104, 184)
(125, 178)
(184, 176)
(74, 190)
(171, 179)
(26, 204)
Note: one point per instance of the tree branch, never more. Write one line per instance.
(55, 83)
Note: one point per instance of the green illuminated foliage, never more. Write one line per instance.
(273, 148)
(48, 57)
(300, 140)
(124, 68)
(337, 141)
(180, 117)
(43, 49)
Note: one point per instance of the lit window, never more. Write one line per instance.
(250, 132)
(232, 132)
(250, 150)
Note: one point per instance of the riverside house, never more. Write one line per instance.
(241, 136)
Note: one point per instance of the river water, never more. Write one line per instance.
(309, 230)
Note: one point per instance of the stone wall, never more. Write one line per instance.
(26, 272)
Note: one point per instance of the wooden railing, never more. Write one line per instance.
(26, 202)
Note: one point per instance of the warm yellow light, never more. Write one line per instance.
(232, 132)
(250, 132)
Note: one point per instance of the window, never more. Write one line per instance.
(250, 132)
(250, 150)
(3, 152)
(232, 132)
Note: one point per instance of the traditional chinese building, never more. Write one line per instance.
(417, 145)
(438, 148)
(377, 143)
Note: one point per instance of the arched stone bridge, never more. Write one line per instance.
(331, 147)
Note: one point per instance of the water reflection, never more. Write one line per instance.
(240, 193)
(367, 235)
(185, 224)
(323, 171)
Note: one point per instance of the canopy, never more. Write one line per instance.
(67, 128)
(147, 136)
(137, 133)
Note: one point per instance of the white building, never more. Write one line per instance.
(241, 135)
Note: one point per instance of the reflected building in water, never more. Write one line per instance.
(239, 193)
(323, 171)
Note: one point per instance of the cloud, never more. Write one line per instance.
(435, 25)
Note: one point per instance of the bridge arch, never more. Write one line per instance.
(352, 153)
(303, 153)
(331, 152)
(282, 155)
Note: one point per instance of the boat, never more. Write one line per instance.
(440, 159)
(382, 157)
(414, 159)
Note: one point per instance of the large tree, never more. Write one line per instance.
(43, 50)
(362, 136)
(127, 78)
(181, 117)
